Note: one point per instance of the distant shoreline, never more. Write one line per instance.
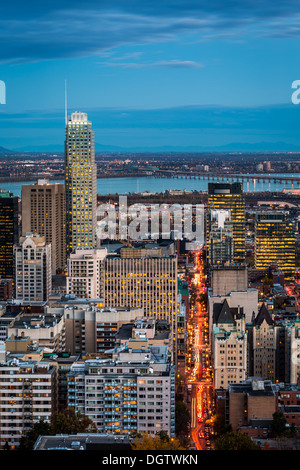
(5, 179)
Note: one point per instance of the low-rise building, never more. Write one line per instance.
(254, 398)
(90, 329)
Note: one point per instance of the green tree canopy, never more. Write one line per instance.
(70, 422)
(182, 418)
(278, 426)
(65, 422)
(27, 441)
(235, 441)
(161, 441)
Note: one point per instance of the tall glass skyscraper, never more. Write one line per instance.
(230, 197)
(80, 181)
(275, 242)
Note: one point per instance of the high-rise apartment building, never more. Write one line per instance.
(28, 394)
(80, 183)
(86, 273)
(9, 232)
(32, 257)
(274, 242)
(43, 212)
(131, 393)
(229, 197)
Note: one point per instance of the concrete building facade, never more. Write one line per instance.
(32, 258)
(132, 392)
(44, 213)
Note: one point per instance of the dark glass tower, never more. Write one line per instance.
(9, 232)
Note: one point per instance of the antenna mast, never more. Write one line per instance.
(66, 111)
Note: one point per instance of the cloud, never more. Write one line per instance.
(189, 64)
(31, 31)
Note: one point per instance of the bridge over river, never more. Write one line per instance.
(276, 178)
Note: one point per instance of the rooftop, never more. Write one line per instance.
(83, 442)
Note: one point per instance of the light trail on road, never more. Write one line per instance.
(199, 385)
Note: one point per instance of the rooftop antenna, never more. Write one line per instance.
(66, 111)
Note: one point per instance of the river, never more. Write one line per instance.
(126, 185)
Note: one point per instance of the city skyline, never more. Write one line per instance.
(178, 75)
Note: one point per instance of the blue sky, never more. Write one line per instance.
(151, 74)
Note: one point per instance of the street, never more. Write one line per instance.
(199, 384)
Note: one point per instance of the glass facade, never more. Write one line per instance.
(229, 197)
(275, 243)
(80, 181)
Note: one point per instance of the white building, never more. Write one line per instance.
(27, 395)
(132, 392)
(90, 328)
(32, 258)
(86, 273)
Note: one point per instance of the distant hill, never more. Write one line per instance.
(232, 147)
(4, 151)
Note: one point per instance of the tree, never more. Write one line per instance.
(65, 422)
(6, 446)
(161, 441)
(70, 422)
(27, 441)
(278, 427)
(235, 441)
(182, 418)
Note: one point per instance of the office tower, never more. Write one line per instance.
(43, 212)
(143, 281)
(131, 393)
(28, 394)
(229, 197)
(229, 345)
(80, 183)
(9, 232)
(274, 243)
(86, 273)
(220, 235)
(33, 279)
